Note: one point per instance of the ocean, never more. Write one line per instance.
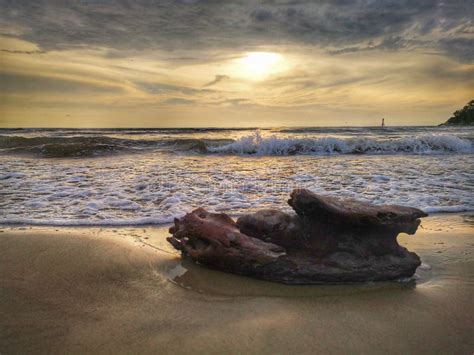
(149, 176)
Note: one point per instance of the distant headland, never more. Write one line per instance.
(462, 117)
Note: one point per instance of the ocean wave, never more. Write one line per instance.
(424, 144)
(79, 146)
(196, 144)
(89, 146)
(252, 144)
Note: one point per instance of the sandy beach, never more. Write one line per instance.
(124, 290)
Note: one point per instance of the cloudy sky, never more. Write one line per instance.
(195, 63)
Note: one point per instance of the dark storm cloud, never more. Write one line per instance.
(200, 25)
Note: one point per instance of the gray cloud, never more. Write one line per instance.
(388, 43)
(21, 52)
(237, 102)
(178, 101)
(217, 80)
(19, 83)
(167, 89)
(461, 48)
(261, 15)
(159, 88)
(171, 25)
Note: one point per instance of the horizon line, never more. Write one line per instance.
(221, 128)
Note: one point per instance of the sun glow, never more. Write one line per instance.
(260, 64)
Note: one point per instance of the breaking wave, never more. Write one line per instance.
(252, 144)
(426, 144)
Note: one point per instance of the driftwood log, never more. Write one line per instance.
(328, 240)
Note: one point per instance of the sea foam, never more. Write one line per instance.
(233, 172)
(425, 144)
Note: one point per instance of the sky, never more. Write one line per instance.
(197, 63)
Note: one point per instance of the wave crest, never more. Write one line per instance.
(253, 144)
(426, 144)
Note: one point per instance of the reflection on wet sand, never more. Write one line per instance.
(204, 280)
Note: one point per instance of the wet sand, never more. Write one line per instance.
(124, 290)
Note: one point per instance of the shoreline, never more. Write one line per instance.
(5, 225)
(123, 289)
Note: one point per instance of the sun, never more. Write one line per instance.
(260, 64)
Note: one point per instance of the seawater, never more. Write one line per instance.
(146, 176)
